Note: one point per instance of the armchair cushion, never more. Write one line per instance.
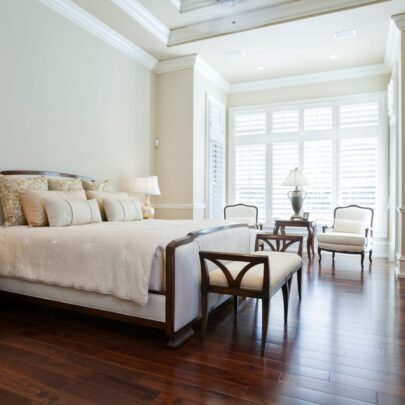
(282, 265)
(341, 247)
(344, 238)
(349, 226)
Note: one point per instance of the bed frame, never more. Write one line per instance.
(176, 338)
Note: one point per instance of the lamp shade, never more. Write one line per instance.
(295, 178)
(147, 185)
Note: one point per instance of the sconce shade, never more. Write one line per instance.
(295, 178)
(147, 185)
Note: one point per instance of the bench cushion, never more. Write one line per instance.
(281, 264)
(343, 238)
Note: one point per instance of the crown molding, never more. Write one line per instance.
(85, 20)
(176, 3)
(193, 62)
(397, 24)
(299, 80)
(205, 69)
(180, 63)
(145, 18)
(271, 15)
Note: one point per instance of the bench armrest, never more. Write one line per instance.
(273, 241)
(250, 260)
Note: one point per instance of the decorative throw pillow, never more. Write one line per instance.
(64, 184)
(123, 210)
(97, 185)
(9, 192)
(100, 195)
(71, 212)
(33, 203)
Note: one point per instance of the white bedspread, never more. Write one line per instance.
(110, 258)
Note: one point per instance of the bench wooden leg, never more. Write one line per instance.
(286, 292)
(235, 308)
(362, 259)
(204, 314)
(319, 254)
(265, 322)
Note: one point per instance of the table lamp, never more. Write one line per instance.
(149, 186)
(297, 179)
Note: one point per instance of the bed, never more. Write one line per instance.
(99, 268)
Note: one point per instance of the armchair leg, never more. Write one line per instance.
(299, 281)
(370, 256)
(319, 254)
(362, 259)
(333, 255)
(286, 293)
(265, 322)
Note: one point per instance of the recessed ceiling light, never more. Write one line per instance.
(235, 54)
(333, 57)
(260, 68)
(345, 34)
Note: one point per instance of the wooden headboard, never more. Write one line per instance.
(43, 173)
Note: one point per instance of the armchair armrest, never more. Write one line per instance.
(325, 228)
(273, 241)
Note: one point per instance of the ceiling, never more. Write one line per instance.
(289, 48)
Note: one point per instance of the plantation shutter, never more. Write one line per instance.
(318, 169)
(359, 115)
(358, 172)
(250, 176)
(285, 121)
(319, 118)
(248, 124)
(285, 157)
(216, 158)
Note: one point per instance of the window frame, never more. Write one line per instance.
(335, 134)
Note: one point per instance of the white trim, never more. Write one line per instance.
(193, 62)
(392, 44)
(299, 80)
(85, 20)
(204, 68)
(144, 17)
(179, 206)
(176, 3)
(252, 19)
(172, 65)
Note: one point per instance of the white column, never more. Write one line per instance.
(399, 21)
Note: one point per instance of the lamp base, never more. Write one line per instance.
(148, 212)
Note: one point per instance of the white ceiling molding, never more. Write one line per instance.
(176, 3)
(275, 14)
(397, 24)
(180, 63)
(190, 5)
(193, 62)
(299, 80)
(145, 18)
(85, 20)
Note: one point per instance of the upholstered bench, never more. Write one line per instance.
(257, 275)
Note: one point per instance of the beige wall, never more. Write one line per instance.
(174, 159)
(70, 102)
(310, 91)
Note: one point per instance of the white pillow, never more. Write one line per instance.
(122, 210)
(100, 195)
(71, 212)
(349, 226)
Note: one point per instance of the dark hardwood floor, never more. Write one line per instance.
(345, 344)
